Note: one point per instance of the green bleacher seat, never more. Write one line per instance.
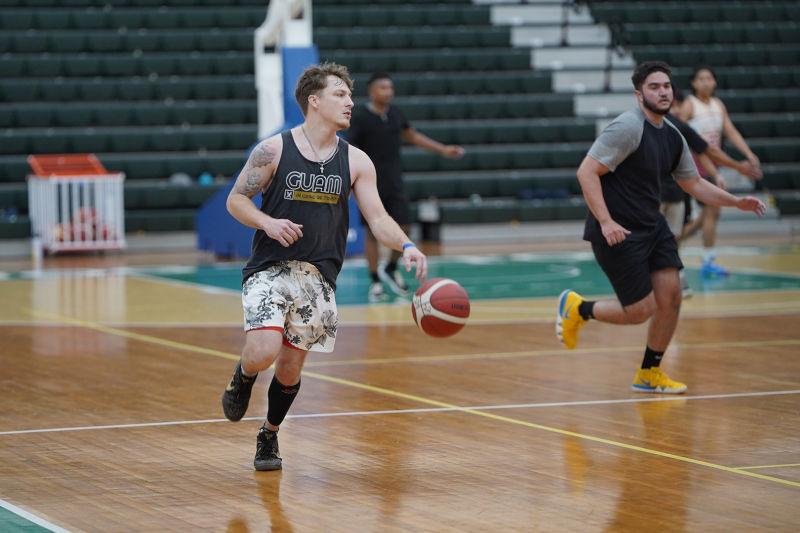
(12, 65)
(142, 40)
(373, 16)
(29, 42)
(33, 115)
(533, 156)
(158, 64)
(126, 18)
(232, 63)
(89, 141)
(89, 19)
(49, 143)
(12, 143)
(16, 90)
(189, 113)
(135, 89)
(98, 89)
(129, 141)
(162, 18)
(197, 17)
(117, 115)
(122, 65)
(407, 16)
(396, 38)
(17, 19)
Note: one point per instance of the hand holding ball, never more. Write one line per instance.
(440, 307)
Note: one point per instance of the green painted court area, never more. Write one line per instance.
(493, 277)
(13, 523)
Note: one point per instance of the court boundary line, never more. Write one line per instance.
(30, 517)
(536, 405)
(428, 401)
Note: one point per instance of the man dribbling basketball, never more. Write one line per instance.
(306, 175)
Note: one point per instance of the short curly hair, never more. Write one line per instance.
(643, 70)
(315, 78)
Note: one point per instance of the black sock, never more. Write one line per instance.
(375, 278)
(651, 358)
(586, 309)
(280, 398)
(391, 266)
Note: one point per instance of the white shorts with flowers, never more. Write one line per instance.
(293, 297)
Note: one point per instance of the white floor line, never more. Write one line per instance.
(420, 410)
(31, 518)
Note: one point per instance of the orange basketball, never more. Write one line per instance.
(440, 307)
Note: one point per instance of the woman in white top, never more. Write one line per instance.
(708, 116)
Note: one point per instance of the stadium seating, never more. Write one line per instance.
(157, 88)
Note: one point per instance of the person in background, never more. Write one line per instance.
(674, 201)
(379, 128)
(708, 116)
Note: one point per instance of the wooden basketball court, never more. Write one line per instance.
(110, 416)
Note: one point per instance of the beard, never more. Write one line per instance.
(652, 107)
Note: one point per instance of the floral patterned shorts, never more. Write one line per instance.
(294, 297)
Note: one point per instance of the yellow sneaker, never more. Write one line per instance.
(656, 381)
(568, 320)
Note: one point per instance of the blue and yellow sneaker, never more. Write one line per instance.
(655, 381)
(568, 320)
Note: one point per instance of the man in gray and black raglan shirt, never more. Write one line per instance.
(621, 179)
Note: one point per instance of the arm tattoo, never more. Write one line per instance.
(252, 176)
(261, 156)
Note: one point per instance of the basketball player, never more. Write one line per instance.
(379, 129)
(673, 198)
(708, 116)
(620, 178)
(306, 175)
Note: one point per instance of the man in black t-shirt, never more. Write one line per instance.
(621, 179)
(379, 129)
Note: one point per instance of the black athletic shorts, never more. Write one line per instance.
(396, 204)
(628, 264)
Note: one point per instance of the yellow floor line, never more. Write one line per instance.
(420, 399)
(767, 466)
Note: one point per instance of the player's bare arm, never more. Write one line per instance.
(744, 166)
(421, 140)
(384, 227)
(256, 176)
(733, 135)
(589, 177)
(710, 194)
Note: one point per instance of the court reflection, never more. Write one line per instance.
(269, 488)
(660, 494)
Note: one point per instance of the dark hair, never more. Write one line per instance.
(377, 76)
(677, 94)
(315, 78)
(696, 70)
(643, 70)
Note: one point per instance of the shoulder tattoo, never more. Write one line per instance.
(252, 176)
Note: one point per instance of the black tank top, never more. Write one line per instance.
(319, 201)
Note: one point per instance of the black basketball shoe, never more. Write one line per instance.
(236, 397)
(267, 455)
